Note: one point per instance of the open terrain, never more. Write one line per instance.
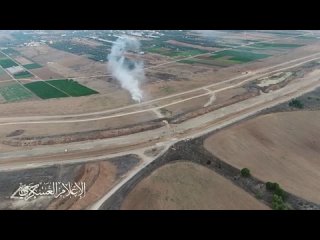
(60, 104)
(277, 147)
(98, 176)
(185, 185)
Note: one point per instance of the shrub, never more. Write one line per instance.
(279, 191)
(296, 103)
(278, 203)
(259, 195)
(245, 172)
(272, 186)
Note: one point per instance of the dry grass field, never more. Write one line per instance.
(280, 147)
(185, 185)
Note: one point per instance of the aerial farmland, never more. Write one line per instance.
(161, 119)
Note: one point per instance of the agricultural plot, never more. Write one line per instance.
(6, 63)
(44, 90)
(188, 186)
(59, 88)
(221, 62)
(240, 56)
(23, 74)
(11, 51)
(175, 53)
(32, 66)
(72, 87)
(280, 147)
(227, 58)
(15, 92)
(276, 45)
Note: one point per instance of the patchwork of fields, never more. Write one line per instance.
(44, 90)
(63, 59)
(15, 92)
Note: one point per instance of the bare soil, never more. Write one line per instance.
(185, 185)
(277, 147)
(45, 73)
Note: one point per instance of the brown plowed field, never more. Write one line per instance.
(186, 185)
(279, 147)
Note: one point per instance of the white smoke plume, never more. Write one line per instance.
(129, 73)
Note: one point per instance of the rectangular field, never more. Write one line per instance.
(14, 92)
(44, 90)
(23, 74)
(240, 56)
(11, 51)
(175, 53)
(276, 45)
(59, 88)
(6, 63)
(72, 87)
(32, 66)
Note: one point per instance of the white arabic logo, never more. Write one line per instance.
(55, 189)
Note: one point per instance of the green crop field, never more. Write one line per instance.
(23, 74)
(72, 87)
(239, 56)
(210, 62)
(44, 90)
(32, 66)
(58, 89)
(11, 51)
(6, 63)
(276, 45)
(175, 53)
(14, 93)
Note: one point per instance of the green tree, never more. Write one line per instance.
(296, 103)
(272, 186)
(245, 172)
(278, 203)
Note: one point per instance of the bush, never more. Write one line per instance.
(245, 172)
(296, 103)
(259, 195)
(276, 189)
(272, 186)
(278, 203)
(279, 191)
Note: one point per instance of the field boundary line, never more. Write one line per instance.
(34, 75)
(17, 81)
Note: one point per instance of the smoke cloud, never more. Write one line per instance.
(130, 73)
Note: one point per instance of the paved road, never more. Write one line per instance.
(189, 128)
(237, 112)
